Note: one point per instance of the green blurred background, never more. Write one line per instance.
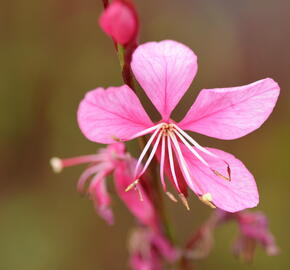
(52, 52)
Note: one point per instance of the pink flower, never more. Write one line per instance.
(254, 229)
(165, 70)
(149, 249)
(111, 160)
(119, 20)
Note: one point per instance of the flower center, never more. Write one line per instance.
(171, 139)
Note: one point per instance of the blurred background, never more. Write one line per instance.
(52, 52)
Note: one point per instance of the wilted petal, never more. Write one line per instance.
(230, 113)
(164, 70)
(232, 196)
(106, 116)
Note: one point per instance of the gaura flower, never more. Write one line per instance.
(150, 249)
(165, 70)
(111, 160)
(254, 230)
(119, 20)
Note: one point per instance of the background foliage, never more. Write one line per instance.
(52, 52)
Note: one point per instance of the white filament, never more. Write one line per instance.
(198, 146)
(171, 162)
(151, 154)
(162, 160)
(145, 150)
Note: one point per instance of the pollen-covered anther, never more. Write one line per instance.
(171, 196)
(56, 164)
(132, 185)
(207, 199)
(184, 201)
(116, 139)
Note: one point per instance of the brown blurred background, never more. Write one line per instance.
(52, 52)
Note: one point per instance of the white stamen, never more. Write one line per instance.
(171, 162)
(198, 146)
(171, 196)
(183, 163)
(162, 160)
(154, 149)
(145, 150)
(134, 184)
(204, 150)
(56, 164)
(207, 199)
(184, 201)
(190, 148)
(145, 131)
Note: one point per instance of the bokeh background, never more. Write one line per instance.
(52, 52)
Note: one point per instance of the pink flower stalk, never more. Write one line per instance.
(150, 249)
(111, 160)
(165, 70)
(119, 21)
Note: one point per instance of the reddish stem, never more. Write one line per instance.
(105, 3)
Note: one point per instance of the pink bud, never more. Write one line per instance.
(119, 20)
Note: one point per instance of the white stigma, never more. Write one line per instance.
(56, 164)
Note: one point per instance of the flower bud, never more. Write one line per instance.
(119, 21)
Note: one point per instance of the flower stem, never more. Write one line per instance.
(155, 193)
(105, 3)
(125, 57)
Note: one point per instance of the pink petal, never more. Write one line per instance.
(141, 207)
(102, 201)
(120, 22)
(232, 196)
(164, 70)
(106, 116)
(230, 113)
